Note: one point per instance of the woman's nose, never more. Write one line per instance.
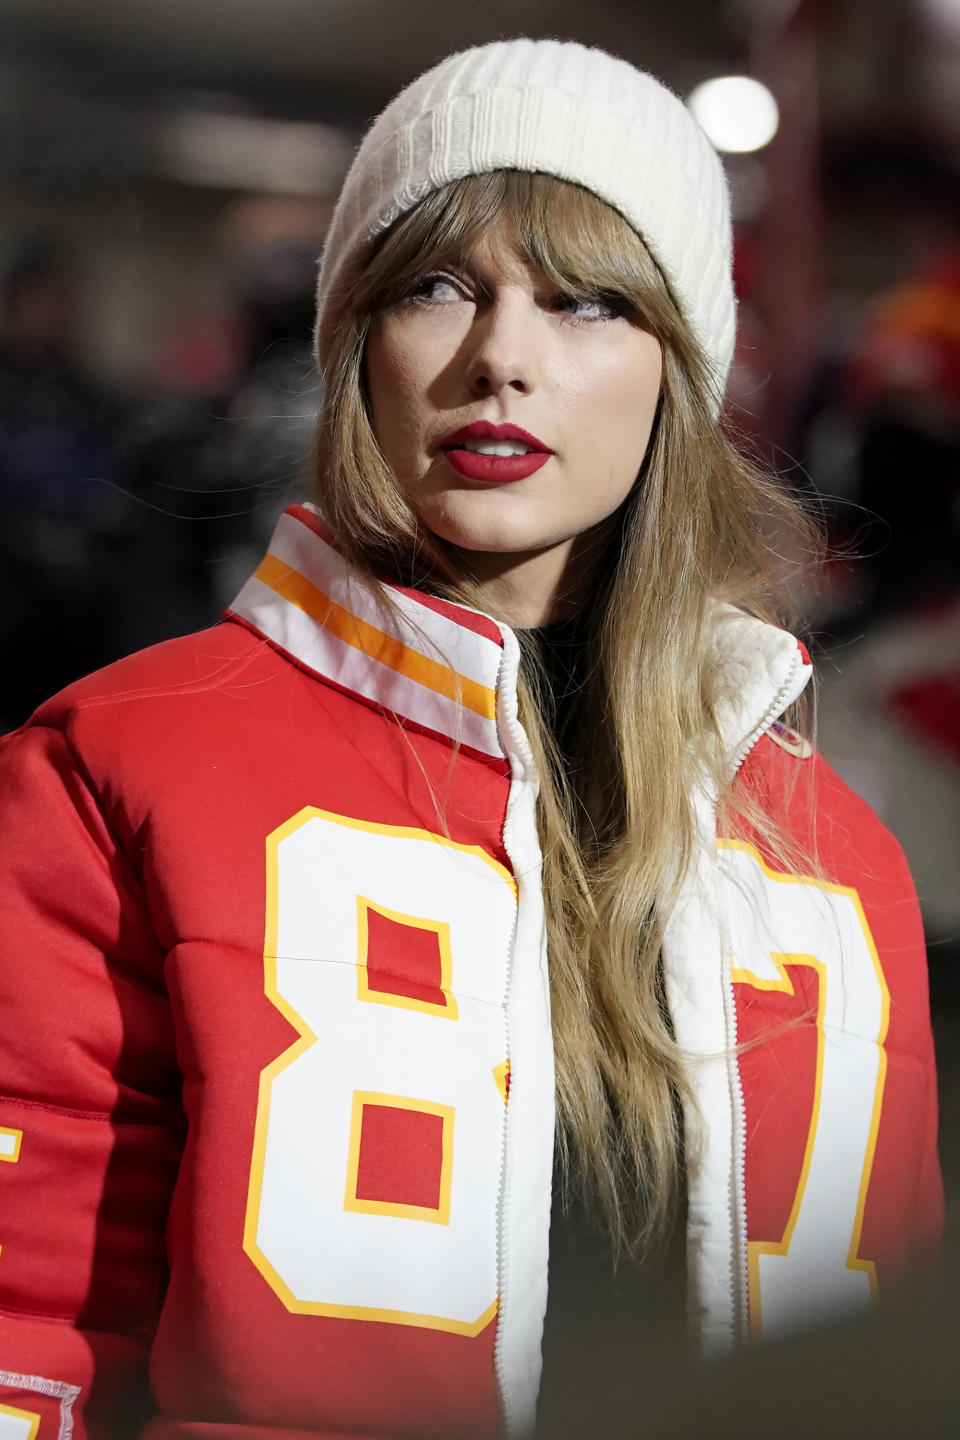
(503, 352)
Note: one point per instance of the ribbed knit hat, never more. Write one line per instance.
(558, 108)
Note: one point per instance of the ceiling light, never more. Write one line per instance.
(737, 113)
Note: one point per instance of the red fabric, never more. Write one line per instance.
(845, 843)
(403, 959)
(135, 809)
(389, 1139)
(134, 815)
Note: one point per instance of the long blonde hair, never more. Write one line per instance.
(617, 834)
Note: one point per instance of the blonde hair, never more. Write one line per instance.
(617, 835)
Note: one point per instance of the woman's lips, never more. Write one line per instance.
(494, 469)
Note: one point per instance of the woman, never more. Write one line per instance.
(278, 972)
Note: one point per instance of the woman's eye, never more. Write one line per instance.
(605, 306)
(435, 290)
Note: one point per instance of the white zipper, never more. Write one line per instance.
(509, 1424)
(503, 1194)
(522, 798)
(740, 1276)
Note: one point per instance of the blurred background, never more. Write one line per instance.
(167, 171)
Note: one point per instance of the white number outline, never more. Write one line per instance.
(307, 1038)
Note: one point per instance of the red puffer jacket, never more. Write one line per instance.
(277, 1087)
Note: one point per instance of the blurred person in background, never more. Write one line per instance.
(259, 441)
(59, 440)
(130, 519)
(902, 396)
(220, 445)
(472, 868)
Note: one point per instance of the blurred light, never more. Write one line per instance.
(737, 113)
(247, 153)
(945, 13)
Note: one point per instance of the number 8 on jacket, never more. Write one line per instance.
(376, 1159)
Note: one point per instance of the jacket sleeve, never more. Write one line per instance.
(906, 1180)
(90, 1122)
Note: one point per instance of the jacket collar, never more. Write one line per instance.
(763, 671)
(439, 665)
(423, 659)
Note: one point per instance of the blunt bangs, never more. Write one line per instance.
(581, 244)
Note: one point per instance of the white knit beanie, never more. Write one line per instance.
(558, 108)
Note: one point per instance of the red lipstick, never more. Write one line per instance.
(494, 469)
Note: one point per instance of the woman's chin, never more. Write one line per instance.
(491, 535)
(498, 547)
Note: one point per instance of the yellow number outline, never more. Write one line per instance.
(11, 1158)
(447, 1010)
(439, 1214)
(17, 1136)
(29, 1415)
